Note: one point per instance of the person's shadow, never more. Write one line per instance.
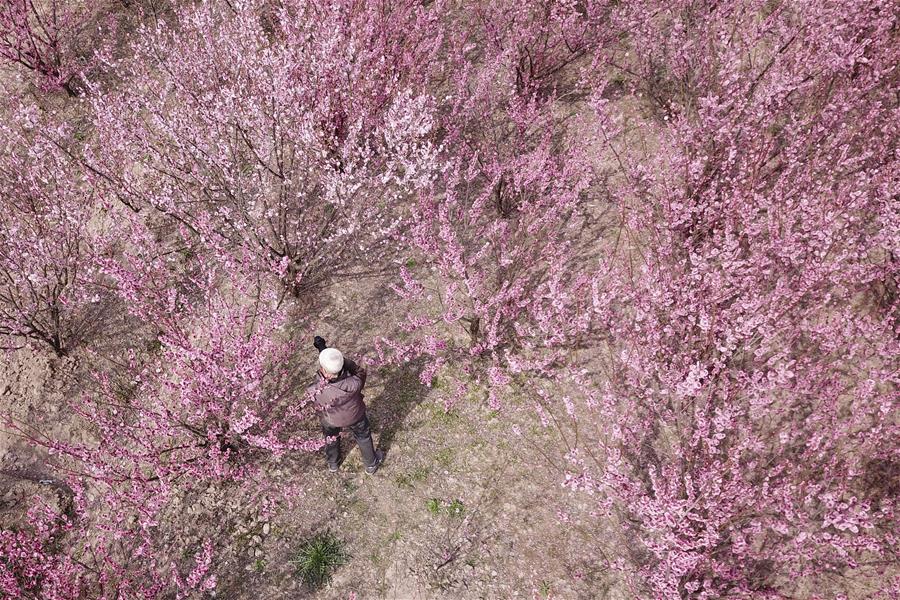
(402, 392)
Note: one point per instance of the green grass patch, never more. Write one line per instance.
(456, 508)
(440, 416)
(444, 457)
(409, 479)
(318, 558)
(453, 508)
(433, 505)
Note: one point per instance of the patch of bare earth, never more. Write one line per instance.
(460, 509)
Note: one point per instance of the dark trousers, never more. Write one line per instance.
(363, 436)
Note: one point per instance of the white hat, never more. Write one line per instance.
(331, 360)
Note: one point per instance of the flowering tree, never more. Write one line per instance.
(56, 557)
(534, 41)
(749, 395)
(289, 136)
(47, 289)
(40, 36)
(215, 397)
(507, 220)
(219, 387)
(742, 318)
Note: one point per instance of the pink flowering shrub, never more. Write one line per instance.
(504, 224)
(215, 398)
(55, 557)
(198, 579)
(744, 313)
(31, 563)
(751, 392)
(531, 42)
(40, 36)
(290, 137)
(220, 389)
(47, 270)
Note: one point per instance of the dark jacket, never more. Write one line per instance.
(340, 401)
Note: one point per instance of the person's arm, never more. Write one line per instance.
(312, 392)
(356, 370)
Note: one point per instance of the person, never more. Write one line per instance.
(337, 393)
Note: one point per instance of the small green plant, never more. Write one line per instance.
(259, 565)
(318, 557)
(407, 480)
(544, 589)
(350, 487)
(434, 506)
(456, 508)
(394, 537)
(444, 457)
(442, 416)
